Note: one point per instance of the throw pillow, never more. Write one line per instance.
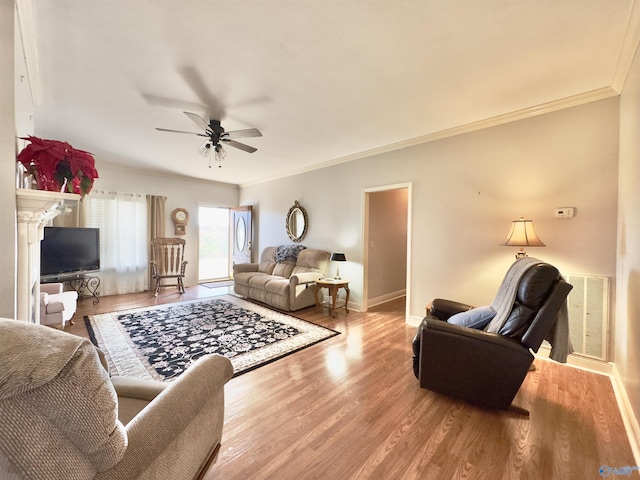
(478, 317)
(283, 269)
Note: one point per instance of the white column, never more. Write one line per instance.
(35, 208)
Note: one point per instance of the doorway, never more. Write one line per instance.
(386, 246)
(213, 244)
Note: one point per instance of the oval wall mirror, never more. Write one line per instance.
(297, 222)
(241, 234)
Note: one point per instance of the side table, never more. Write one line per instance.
(333, 285)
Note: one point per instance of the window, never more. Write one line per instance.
(122, 219)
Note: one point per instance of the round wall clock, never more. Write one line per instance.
(180, 218)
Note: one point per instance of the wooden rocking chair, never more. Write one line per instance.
(168, 262)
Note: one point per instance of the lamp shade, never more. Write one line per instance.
(522, 234)
(338, 257)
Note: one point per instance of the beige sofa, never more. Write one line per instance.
(280, 280)
(64, 418)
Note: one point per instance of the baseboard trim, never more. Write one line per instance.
(628, 416)
(386, 298)
(579, 361)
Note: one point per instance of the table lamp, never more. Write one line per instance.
(338, 257)
(522, 235)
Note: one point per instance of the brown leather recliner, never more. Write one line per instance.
(487, 367)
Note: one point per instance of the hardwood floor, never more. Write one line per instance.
(350, 408)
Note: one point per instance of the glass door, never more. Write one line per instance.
(214, 253)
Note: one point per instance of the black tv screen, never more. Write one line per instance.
(69, 250)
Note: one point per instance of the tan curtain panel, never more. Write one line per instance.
(155, 222)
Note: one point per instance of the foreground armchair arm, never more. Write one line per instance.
(177, 435)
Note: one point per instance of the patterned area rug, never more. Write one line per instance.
(161, 342)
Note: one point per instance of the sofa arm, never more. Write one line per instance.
(174, 436)
(245, 267)
(305, 277)
(443, 309)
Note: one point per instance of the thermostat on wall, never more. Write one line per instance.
(565, 212)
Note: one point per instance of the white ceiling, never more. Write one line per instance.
(324, 80)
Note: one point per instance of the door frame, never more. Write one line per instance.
(365, 241)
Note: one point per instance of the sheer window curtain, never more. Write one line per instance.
(122, 219)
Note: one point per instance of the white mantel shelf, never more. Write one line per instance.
(37, 202)
(35, 208)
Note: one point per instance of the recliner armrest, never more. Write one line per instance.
(305, 277)
(464, 337)
(443, 309)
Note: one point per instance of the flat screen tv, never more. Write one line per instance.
(66, 250)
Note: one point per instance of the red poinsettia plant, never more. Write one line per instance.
(57, 166)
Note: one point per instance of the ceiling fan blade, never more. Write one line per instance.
(249, 132)
(198, 121)
(239, 145)
(181, 131)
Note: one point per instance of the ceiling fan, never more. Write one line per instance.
(216, 136)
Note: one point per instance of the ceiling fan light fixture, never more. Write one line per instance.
(205, 149)
(221, 153)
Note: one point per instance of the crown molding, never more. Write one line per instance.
(561, 104)
(628, 49)
(27, 28)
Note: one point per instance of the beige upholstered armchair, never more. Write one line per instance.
(56, 306)
(167, 262)
(64, 418)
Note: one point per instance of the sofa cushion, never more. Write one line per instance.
(268, 255)
(284, 269)
(244, 278)
(266, 267)
(279, 286)
(312, 260)
(260, 281)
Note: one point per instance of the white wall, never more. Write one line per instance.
(466, 191)
(627, 319)
(8, 278)
(181, 192)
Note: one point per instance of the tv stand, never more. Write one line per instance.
(84, 283)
